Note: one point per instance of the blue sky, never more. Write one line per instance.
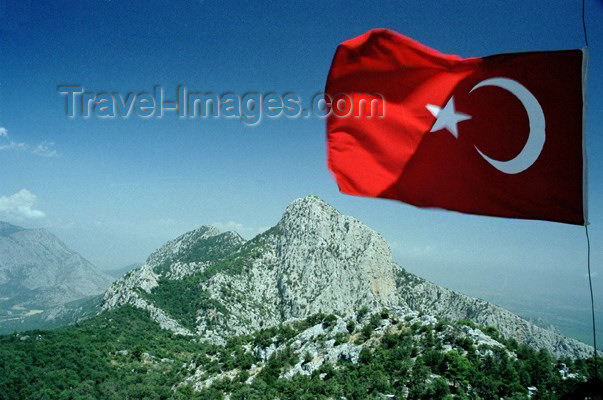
(116, 189)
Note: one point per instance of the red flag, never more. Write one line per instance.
(499, 135)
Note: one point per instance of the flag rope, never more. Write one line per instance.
(592, 302)
(590, 282)
(584, 22)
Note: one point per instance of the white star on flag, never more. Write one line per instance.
(447, 117)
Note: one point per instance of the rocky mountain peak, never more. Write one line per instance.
(315, 259)
(309, 205)
(331, 261)
(312, 219)
(314, 214)
(206, 239)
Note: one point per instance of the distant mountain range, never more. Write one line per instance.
(41, 278)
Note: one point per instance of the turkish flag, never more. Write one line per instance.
(499, 135)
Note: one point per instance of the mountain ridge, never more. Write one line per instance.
(313, 260)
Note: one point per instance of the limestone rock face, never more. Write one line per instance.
(430, 298)
(124, 290)
(313, 260)
(331, 262)
(127, 291)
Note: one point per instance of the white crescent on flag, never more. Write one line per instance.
(533, 147)
(448, 118)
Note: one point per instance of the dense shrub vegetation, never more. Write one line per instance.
(121, 354)
(103, 358)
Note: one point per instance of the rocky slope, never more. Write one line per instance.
(39, 272)
(322, 344)
(216, 285)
